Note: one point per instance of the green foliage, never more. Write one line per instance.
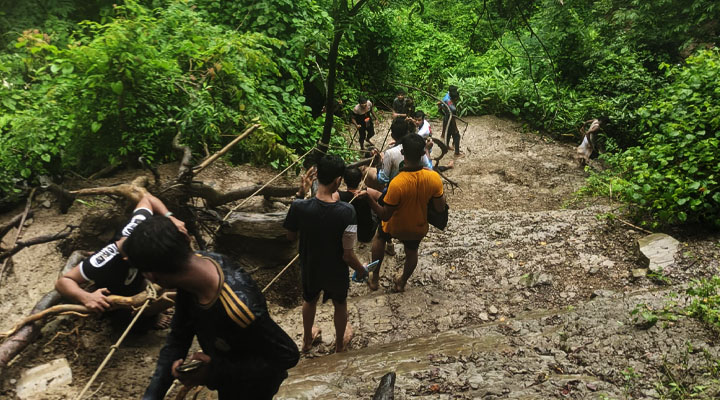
(705, 301)
(672, 176)
(124, 88)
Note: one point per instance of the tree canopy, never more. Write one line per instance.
(83, 85)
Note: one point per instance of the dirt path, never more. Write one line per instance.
(527, 294)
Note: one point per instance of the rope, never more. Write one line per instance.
(281, 272)
(265, 185)
(152, 295)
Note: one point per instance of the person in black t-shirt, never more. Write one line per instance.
(400, 105)
(367, 221)
(328, 233)
(107, 269)
(245, 354)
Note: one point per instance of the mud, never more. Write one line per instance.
(526, 295)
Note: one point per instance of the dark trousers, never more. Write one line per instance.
(261, 389)
(366, 129)
(452, 131)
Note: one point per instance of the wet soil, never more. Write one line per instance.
(526, 294)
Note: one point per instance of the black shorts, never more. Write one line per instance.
(409, 244)
(338, 295)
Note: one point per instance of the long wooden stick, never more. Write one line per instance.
(112, 349)
(225, 149)
(115, 301)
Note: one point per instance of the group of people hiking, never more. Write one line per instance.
(245, 354)
(363, 117)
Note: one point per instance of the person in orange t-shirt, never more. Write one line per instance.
(404, 212)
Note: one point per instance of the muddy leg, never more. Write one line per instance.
(341, 325)
(411, 260)
(378, 253)
(308, 314)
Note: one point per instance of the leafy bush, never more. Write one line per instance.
(124, 88)
(672, 176)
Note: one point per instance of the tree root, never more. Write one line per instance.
(116, 302)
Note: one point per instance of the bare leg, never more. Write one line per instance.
(308, 314)
(378, 253)
(343, 332)
(411, 260)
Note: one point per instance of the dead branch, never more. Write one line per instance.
(105, 171)
(18, 232)
(4, 229)
(16, 343)
(36, 240)
(225, 149)
(452, 183)
(185, 170)
(116, 302)
(359, 163)
(215, 198)
(133, 191)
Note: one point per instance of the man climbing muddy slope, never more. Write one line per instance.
(108, 270)
(328, 233)
(245, 353)
(404, 212)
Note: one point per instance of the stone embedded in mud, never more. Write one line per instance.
(658, 251)
(639, 273)
(42, 378)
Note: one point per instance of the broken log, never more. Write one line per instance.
(258, 238)
(17, 342)
(256, 225)
(215, 198)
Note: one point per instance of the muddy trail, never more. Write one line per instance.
(527, 294)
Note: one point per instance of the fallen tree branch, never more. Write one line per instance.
(18, 232)
(105, 171)
(215, 198)
(116, 302)
(133, 191)
(4, 229)
(225, 149)
(31, 242)
(17, 342)
(360, 163)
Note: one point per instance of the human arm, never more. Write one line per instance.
(439, 203)
(68, 286)
(383, 212)
(306, 182)
(348, 240)
(292, 223)
(175, 349)
(157, 207)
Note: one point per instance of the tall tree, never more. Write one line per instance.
(342, 13)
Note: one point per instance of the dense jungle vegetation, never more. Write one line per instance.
(84, 84)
